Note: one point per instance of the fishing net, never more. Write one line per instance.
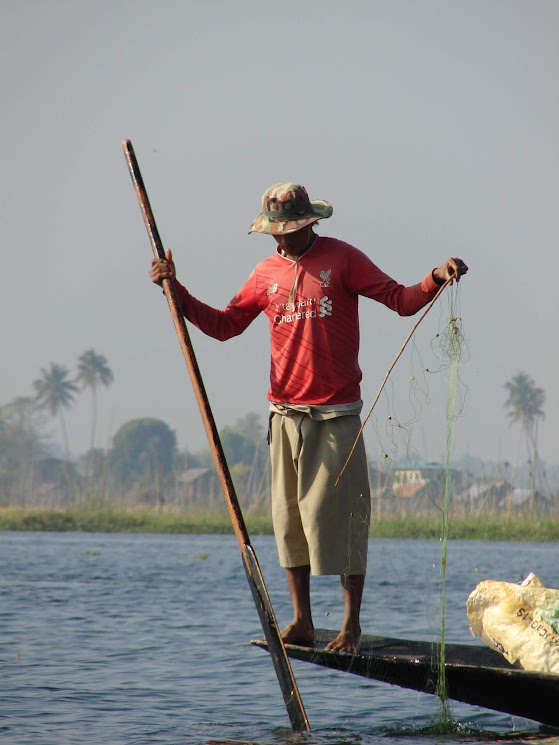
(414, 476)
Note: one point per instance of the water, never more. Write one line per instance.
(144, 640)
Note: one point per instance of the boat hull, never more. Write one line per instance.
(474, 674)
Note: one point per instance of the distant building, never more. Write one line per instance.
(197, 486)
(496, 495)
(417, 486)
(416, 479)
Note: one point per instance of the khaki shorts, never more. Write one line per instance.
(315, 522)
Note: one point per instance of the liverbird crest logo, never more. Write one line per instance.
(325, 278)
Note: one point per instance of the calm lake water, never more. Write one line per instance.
(144, 640)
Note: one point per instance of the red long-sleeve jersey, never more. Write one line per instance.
(315, 339)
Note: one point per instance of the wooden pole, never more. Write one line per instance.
(286, 679)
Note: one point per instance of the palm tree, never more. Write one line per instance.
(92, 370)
(525, 402)
(55, 393)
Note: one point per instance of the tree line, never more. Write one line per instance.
(143, 465)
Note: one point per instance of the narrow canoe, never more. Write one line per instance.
(474, 674)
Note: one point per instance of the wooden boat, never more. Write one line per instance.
(475, 675)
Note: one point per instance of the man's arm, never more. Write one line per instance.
(220, 324)
(365, 278)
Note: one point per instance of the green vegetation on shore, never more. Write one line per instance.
(110, 519)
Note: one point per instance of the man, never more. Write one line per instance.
(309, 290)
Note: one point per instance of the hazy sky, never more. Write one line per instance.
(431, 125)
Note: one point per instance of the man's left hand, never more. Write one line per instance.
(451, 269)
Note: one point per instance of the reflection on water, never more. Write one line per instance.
(143, 639)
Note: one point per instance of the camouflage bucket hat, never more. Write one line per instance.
(287, 208)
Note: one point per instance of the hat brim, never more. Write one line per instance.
(262, 224)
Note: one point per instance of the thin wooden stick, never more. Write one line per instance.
(427, 309)
(286, 679)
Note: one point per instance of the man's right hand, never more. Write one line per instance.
(162, 268)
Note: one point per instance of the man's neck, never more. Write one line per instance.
(294, 257)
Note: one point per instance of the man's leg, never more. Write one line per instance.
(348, 638)
(301, 629)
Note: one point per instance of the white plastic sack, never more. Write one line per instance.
(520, 621)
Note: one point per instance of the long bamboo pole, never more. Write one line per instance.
(286, 679)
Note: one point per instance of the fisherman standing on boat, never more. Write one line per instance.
(309, 290)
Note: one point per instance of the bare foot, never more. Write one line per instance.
(298, 633)
(346, 641)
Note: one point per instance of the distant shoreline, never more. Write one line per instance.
(108, 519)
